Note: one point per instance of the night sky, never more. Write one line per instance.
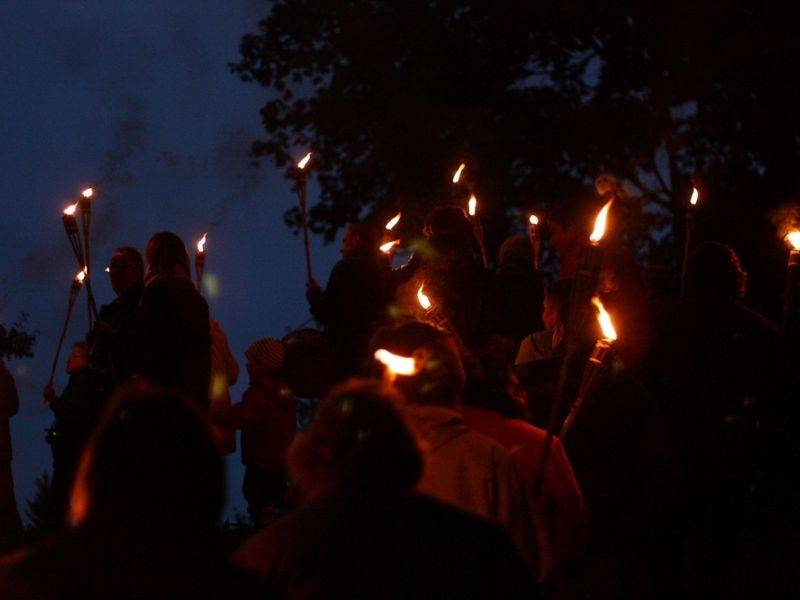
(137, 95)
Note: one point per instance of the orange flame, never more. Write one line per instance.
(396, 364)
(70, 210)
(201, 245)
(88, 193)
(604, 319)
(390, 224)
(423, 300)
(387, 247)
(695, 196)
(793, 237)
(533, 219)
(457, 174)
(304, 161)
(472, 205)
(82, 274)
(600, 223)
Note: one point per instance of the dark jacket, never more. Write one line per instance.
(9, 405)
(176, 338)
(77, 411)
(352, 306)
(114, 342)
(405, 546)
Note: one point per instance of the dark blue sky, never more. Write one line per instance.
(137, 94)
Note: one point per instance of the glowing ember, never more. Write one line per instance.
(387, 247)
(396, 364)
(70, 210)
(695, 196)
(457, 174)
(533, 220)
(472, 205)
(604, 319)
(393, 221)
(424, 301)
(201, 245)
(793, 237)
(88, 193)
(304, 161)
(82, 274)
(600, 223)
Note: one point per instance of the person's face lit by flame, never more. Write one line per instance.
(77, 360)
(125, 271)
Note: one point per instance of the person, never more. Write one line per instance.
(717, 372)
(77, 411)
(114, 341)
(174, 322)
(514, 298)
(463, 468)
(10, 523)
(365, 532)
(268, 420)
(555, 316)
(143, 511)
(355, 299)
(493, 407)
(224, 374)
(569, 223)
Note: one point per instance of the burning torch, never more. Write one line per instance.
(200, 261)
(595, 367)
(396, 364)
(301, 184)
(535, 238)
(74, 289)
(80, 246)
(687, 242)
(790, 297)
(477, 227)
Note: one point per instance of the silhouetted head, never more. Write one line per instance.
(570, 221)
(359, 238)
(714, 269)
(151, 465)
(166, 256)
(516, 251)
(78, 359)
(126, 269)
(358, 441)
(449, 224)
(556, 305)
(440, 376)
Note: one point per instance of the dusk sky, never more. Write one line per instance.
(137, 95)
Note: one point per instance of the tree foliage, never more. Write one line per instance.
(538, 101)
(17, 341)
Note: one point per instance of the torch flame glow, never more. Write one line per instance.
(108, 269)
(533, 220)
(393, 221)
(424, 301)
(695, 196)
(82, 274)
(600, 223)
(396, 364)
(472, 205)
(793, 237)
(304, 161)
(70, 210)
(201, 245)
(604, 319)
(387, 247)
(88, 193)
(457, 174)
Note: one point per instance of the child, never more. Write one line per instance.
(266, 415)
(548, 343)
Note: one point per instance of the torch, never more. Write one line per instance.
(85, 205)
(301, 185)
(535, 238)
(200, 261)
(388, 247)
(459, 171)
(584, 285)
(595, 367)
(396, 364)
(687, 241)
(392, 223)
(477, 227)
(790, 297)
(70, 222)
(74, 289)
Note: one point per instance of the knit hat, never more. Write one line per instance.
(266, 353)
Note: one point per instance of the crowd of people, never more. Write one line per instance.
(439, 480)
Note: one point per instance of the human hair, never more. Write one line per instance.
(714, 268)
(132, 256)
(440, 378)
(357, 441)
(151, 462)
(560, 292)
(167, 256)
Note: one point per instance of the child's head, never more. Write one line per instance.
(265, 357)
(556, 303)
